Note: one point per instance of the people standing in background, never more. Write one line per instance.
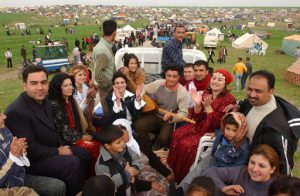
(8, 56)
(77, 43)
(247, 73)
(34, 54)
(76, 54)
(221, 55)
(211, 53)
(83, 44)
(297, 52)
(66, 43)
(238, 70)
(23, 55)
(225, 54)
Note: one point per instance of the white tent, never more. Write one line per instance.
(128, 29)
(247, 40)
(215, 33)
(20, 25)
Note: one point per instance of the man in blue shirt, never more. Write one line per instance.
(172, 51)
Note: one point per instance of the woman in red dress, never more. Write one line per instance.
(207, 112)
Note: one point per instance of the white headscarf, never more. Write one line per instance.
(132, 142)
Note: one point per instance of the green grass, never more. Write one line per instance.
(10, 89)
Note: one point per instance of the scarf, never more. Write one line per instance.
(202, 85)
(132, 142)
(241, 130)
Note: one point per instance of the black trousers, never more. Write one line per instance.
(9, 62)
(70, 169)
(210, 58)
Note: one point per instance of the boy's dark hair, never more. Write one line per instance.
(189, 65)
(173, 68)
(247, 58)
(229, 119)
(99, 185)
(119, 74)
(201, 62)
(285, 185)
(240, 59)
(265, 74)
(109, 134)
(203, 184)
(32, 69)
(109, 26)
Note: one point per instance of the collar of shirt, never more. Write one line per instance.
(174, 89)
(108, 43)
(105, 154)
(126, 94)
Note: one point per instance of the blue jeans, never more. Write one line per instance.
(238, 77)
(46, 186)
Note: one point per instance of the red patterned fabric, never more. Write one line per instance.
(185, 139)
(94, 148)
(70, 115)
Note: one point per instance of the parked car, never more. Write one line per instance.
(52, 57)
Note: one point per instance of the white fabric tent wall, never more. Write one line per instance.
(247, 40)
(128, 29)
(217, 32)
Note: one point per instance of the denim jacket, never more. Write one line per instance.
(227, 155)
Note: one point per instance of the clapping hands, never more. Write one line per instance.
(18, 147)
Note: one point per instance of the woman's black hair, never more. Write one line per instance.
(109, 134)
(127, 57)
(55, 92)
(119, 74)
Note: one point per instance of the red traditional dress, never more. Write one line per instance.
(185, 139)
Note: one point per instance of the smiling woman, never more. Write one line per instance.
(253, 179)
(207, 112)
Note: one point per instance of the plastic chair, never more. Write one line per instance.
(204, 148)
(262, 52)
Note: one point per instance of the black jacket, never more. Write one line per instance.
(26, 118)
(127, 103)
(275, 130)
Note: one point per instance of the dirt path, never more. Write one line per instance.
(9, 75)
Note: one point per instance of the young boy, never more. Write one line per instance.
(120, 164)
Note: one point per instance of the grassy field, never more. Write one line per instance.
(10, 88)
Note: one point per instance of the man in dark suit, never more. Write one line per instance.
(30, 117)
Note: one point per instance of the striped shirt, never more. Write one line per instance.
(172, 54)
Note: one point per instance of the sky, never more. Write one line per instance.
(184, 3)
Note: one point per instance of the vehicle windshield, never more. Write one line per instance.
(52, 52)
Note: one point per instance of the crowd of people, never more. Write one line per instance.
(52, 143)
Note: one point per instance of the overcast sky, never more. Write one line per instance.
(185, 3)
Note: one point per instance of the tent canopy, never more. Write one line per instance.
(216, 31)
(247, 40)
(214, 34)
(128, 28)
(292, 37)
